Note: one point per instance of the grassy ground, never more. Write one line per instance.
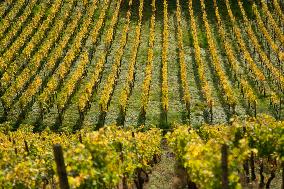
(163, 174)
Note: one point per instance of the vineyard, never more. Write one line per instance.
(78, 64)
(109, 81)
(66, 65)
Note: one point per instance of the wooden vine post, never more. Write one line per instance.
(282, 165)
(60, 165)
(224, 166)
(211, 111)
(280, 108)
(15, 149)
(121, 156)
(253, 176)
(255, 112)
(26, 146)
